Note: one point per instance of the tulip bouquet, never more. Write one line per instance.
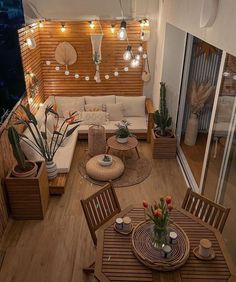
(158, 213)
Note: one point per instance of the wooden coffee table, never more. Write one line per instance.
(123, 147)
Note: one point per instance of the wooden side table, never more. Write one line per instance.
(123, 147)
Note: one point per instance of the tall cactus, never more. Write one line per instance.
(161, 118)
(14, 139)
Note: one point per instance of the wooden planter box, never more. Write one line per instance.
(163, 147)
(28, 197)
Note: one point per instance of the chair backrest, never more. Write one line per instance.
(205, 209)
(99, 208)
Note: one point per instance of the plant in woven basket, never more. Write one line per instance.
(161, 117)
(158, 213)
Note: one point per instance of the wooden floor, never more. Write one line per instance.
(57, 248)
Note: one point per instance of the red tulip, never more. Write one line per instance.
(145, 204)
(158, 212)
(168, 200)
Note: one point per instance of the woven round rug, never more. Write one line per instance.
(136, 171)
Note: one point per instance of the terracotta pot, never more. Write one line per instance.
(122, 140)
(26, 174)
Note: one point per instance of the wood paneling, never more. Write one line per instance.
(78, 34)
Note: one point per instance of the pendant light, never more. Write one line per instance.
(134, 63)
(122, 32)
(127, 54)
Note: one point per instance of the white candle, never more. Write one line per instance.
(166, 251)
(119, 223)
(205, 247)
(173, 237)
(126, 223)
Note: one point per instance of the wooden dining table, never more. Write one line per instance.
(116, 262)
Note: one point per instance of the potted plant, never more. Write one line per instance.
(159, 215)
(23, 168)
(163, 139)
(40, 142)
(105, 160)
(122, 132)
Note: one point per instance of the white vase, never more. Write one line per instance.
(122, 140)
(191, 130)
(51, 169)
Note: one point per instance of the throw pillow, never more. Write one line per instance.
(89, 118)
(115, 111)
(111, 99)
(95, 107)
(134, 106)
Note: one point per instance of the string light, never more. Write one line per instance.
(116, 73)
(140, 48)
(29, 42)
(112, 28)
(48, 63)
(134, 63)
(40, 23)
(127, 54)
(87, 78)
(57, 68)
(91, 24)
(107, 76)
(31, 100)
(76, 75)
(126, 69)
(63, 28)
(145, 56)
(137, 57)
(67, 72)
(40, 104)
(122, 32)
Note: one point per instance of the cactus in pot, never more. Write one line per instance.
(161, 117)
(23, 168)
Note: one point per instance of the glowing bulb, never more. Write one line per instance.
(138, 57)
(76, 75)
(234, 77)
(116, 73)
(40, 24)
(126, 69)
(134, 63)
(63, 29)
(48, 63)
(91, 24)
(127, 54)
(86, 78)
(112, 28)
(67, 72)
(40, 104)
(142, 23)
(31, 100)
(226, 74)
(57, 68)
(145, 56)
(146, 22)
(29, 42)
(32, 74)
(107, 76)
(140, 48)
(122, 32)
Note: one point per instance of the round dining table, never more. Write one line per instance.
(115, 260)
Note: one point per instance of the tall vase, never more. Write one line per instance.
(191, 130)
(51, 169)
(159, 236)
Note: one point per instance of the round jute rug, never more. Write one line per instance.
(136, 171)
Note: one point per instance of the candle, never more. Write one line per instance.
(205, 248)
(126, 223)
(166, 251)
(173, 237)
(119, 223)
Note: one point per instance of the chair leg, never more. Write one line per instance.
(90, 269)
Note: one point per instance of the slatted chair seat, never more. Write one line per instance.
(205, 209)
(98, 209)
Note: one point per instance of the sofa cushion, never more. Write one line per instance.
(68, 104)
(94, 107)
(107, 99)
(133, 106)
(115, 111)
(89, 118)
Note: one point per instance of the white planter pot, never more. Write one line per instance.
(191, 130)
(51, 169)
(122, 140)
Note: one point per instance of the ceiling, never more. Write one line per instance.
(86, 10)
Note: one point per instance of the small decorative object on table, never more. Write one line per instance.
(123, 225)
(106, 160)
(159, 214)
(204, 250)
(122, 133)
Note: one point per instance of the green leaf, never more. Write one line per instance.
(30, 116)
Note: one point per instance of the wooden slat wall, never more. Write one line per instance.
(78, 34)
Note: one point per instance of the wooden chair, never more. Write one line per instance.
(98, 209)
(205, 209)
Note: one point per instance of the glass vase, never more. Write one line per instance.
(159, 236)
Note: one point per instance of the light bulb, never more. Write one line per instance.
(126, 69)
(226, 74)
(40, 104)
(48, 63)
(146, 22)
(142, 36)
(91, 24)
(140, 48)
(145, 56)
(30, 100)
(32, 74)
(234, 77)
(142, 23)
(63, 29)
(29, 42)
(57, 68)
(86, 78)
(127, 54)
(134, 63)
(112, 28)
(107, 76)
(122, 32)
(138, 57)
(40, 24)
(76, 75)
(116, 73)
(67, 72)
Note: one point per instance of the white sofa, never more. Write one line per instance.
(133, 110)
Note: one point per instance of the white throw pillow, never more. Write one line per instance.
(115, 111)
(89, 118)
(134, 106)
(68, 104)
(95, 107)
(106, 99)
